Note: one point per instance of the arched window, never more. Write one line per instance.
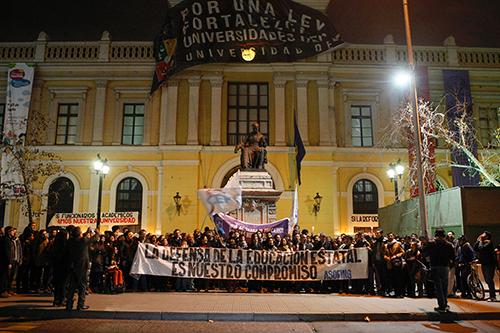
(365, 197)
(129, 198)
(229, 175)
(60, 199)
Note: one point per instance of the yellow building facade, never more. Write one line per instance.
(181, 140)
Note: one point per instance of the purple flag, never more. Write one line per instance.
(226, 223)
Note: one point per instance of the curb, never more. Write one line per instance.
(39, 314)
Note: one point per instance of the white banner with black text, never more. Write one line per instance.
(237, 264)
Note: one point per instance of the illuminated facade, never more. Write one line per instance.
(182, 137)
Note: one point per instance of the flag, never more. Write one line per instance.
(300, 150)
(459, 104)
(222, 200)
(199, 32)
(428, 143)
(19, 86)
(294, 214)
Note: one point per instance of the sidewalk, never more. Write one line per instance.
(250, 307)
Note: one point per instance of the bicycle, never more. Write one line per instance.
(475, 285)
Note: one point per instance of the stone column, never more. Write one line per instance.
(323, 108)
(216, 110)
(36, 99)
(81, 119)
(100, 101)
(331, 111)
(7, 214)
(40, 47)
(194, 100)
(279, 110)
(171, 112)
(302, 118)
(159, 199)
(118, 121)
(163, 114)
(335, 202)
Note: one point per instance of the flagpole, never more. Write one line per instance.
(416, 123)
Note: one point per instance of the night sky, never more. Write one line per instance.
(472, 22)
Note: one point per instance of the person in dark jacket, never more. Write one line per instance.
(465, 258)
(59, 273)
(441, 255)
(379, 262)
(16, 257)
(78, 260)
(486, 253)
(4, 263)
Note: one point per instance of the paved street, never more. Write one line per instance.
(129, 326)
(249, 307)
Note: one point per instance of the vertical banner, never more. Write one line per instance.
(459, 106)
(428, 143)
(19, 86)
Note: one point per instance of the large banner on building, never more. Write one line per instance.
(459, 107)
(89, 219)
(236, 264)
(226, 223)
(19, 86)
(428, 143)
(206, 31)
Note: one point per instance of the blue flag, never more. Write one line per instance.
(300, 150)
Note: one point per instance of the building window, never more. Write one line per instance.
(60, 199)
(67, 119)
(365, 197)
(129, 197)
(361, 120)
(2, 117)
(488, 123)
(133, 124)
(247, 103)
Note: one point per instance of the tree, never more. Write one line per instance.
(461, 138)
(22, 156)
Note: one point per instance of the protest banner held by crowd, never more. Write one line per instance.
(36, 261)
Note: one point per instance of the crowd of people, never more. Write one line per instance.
(62, 261)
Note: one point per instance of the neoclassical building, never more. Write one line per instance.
(181, 138)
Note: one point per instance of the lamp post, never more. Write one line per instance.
(178, 204)
(416, 122)
(101, 168)
(317, 204)
(394, 172)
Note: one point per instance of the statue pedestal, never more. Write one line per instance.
(259, 197)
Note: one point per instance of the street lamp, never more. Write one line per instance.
(394, 172)
(403, 78)
(101, 168)
(317, 204)
(416, 122)
(178, 204)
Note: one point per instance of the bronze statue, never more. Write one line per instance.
(253, 149)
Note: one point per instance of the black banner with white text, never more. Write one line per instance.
(207, 31)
